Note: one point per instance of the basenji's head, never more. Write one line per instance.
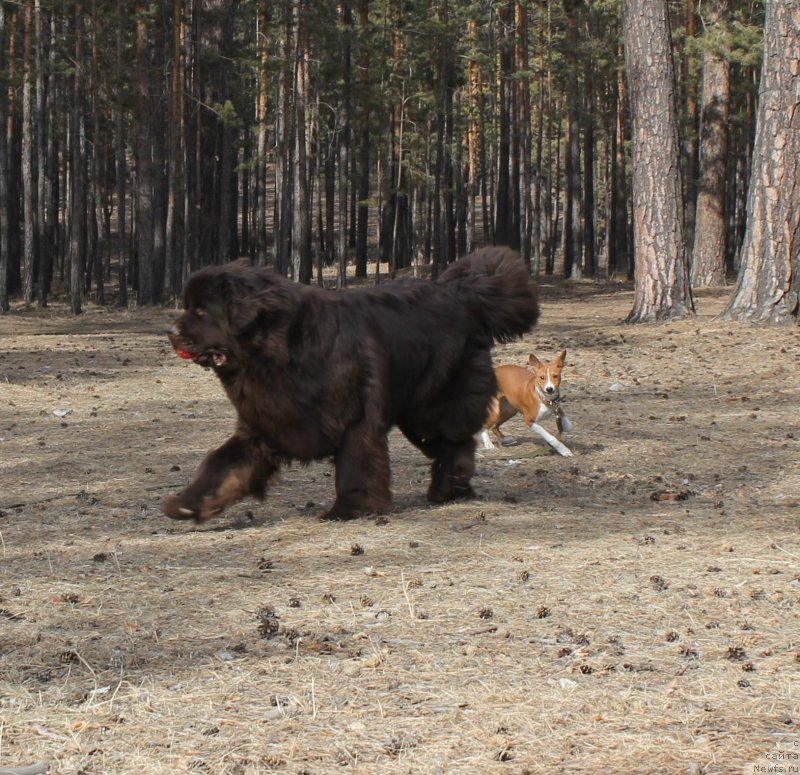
(547, 375)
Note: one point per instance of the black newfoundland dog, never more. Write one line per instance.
(319, 374)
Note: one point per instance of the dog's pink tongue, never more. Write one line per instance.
(185, 354)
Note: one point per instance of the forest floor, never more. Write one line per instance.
(634, 609)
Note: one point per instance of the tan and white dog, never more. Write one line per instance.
(535, 393)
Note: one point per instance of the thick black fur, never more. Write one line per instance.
(318, 374)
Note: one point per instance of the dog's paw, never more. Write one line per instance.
(338, 514)
(564, 451)
(175, 508)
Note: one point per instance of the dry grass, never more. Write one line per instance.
(633, 609)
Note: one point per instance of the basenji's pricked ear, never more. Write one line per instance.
(562, 359)
(533, 361)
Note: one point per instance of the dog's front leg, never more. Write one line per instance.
(363, 475)
(240, 467)
(551, 440)
(564, 423)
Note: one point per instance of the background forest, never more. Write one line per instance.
(146, 139)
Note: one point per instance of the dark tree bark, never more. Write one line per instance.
(768, 286)
(708, 255)
(145, 171)
(173, 245)
(120, 169)
(523, 100)
(45, 155)
(4, 221)
(29, 227)
(504, 215)
(590, 266)
(301, 242)
(260, 176)
(661, 277)
(362, 181)
(77, 210)
(687, 78)
(573, 200)
(618, 226)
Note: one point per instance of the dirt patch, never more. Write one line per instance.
(633, 609)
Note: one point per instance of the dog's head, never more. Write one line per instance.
(225, 307)
(548, 375)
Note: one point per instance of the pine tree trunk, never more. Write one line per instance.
(768, 285)
(301, 248)
(44, 143)
(687, 77)
(144, 226)
(618, 246)
(120, 171)
(708, 255)
(362, 181)
(573, 201)
(661, 279)
(260, 175)
(504, 218)
(174, 228)
(523, 98)
(77, 214)
(589, 110)
(28, 144)
(4, 224)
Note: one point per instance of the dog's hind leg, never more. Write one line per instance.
(564, 423)
(240, 467)
(452, 470)
(363, 475)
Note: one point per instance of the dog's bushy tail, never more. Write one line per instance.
(496, 285)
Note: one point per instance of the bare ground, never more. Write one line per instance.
(633, 609)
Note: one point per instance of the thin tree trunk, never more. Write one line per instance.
(688, 77)
(173, 238)
(573, 202)
(29, 258)
(618, 246)
(260, 175)
(77, 216)
(708, 255)
(145, 227)
(44, 135)
(590, 108)
(4, 224)
(523, 83)
(362, 184)
(120, 171)
(301, 245)
(504, 218)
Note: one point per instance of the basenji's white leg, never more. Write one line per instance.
(566, 423)
(487, 442)
(551, 440)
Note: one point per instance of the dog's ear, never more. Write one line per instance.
(562, 358)
(533, 361)
(254, 293)
(241, 299)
